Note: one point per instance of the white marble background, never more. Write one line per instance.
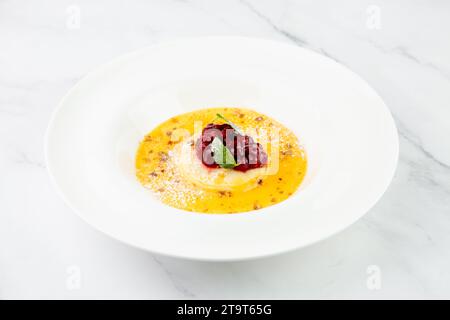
(44, 246)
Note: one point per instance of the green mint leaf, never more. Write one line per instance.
(235, 127)
(222, 156)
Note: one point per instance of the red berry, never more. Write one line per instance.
(247, 154)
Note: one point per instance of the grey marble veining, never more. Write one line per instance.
(46, 251)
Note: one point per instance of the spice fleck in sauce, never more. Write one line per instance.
(168, 164)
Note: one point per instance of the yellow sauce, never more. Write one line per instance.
(165, 165)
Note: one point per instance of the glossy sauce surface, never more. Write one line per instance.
(166, 164)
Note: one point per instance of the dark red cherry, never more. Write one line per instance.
(247, 154)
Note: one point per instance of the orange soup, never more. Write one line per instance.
(221, 160)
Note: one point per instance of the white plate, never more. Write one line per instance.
(347, 130)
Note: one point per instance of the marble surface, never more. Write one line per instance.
(400, 249)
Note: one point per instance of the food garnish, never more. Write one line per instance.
(235, 127)
(222, 156)
(224, 146)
